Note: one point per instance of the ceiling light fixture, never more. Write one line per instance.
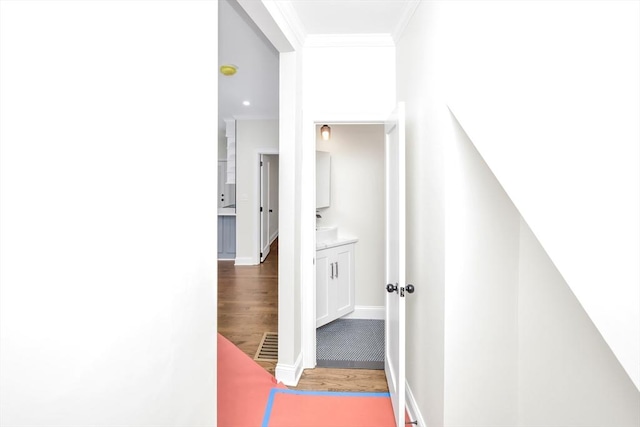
(325, 131)
(228, 69)
(246, 103)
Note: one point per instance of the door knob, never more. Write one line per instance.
(410, 289)
(392, 288)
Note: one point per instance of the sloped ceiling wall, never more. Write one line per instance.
(549, 93)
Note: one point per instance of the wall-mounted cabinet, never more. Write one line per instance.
(323, 179)
(335, 282)
(226, 192)
(230, 134)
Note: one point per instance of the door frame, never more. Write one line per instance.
(307, 293)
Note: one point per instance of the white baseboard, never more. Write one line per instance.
(412, 407)
(245, 261)
(289, 374)
(273, 238)
(366, 312)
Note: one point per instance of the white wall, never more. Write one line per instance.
(358, 202)
(290, 361)
(107, 213)
(448, 390)
(481, 294)
(362, 89)
(428, 131)
(252, 138)
(568, 375)
(352, 80)
(549, 93)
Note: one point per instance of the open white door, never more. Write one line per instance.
(264, 207)
(395, 252)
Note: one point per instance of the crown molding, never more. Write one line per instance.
(407, 14)
(287, 12)
(349, 40)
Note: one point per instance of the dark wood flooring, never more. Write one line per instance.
(248, 307)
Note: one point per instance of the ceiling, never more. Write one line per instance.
(350, 16)
(241, 43)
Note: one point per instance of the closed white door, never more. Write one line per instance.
(264, 207)
(395, 262)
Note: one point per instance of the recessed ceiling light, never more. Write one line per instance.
(246, 103)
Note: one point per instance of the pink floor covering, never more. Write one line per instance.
(248, 396)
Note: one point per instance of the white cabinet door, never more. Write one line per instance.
(344, 283)
(335, 283)
(322, 287)
(222, 176)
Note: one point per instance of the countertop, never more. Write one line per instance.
(338, 242)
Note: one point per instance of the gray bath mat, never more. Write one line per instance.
(351, 343)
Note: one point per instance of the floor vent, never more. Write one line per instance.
(268, 348)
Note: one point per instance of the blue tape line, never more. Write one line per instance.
(272, 395)
(334, 393)
(267, 411)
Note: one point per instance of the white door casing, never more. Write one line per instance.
(395, 261)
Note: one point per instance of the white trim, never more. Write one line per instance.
(308, 242)
(366, 312)
(255, 117)
(289, 374)
(332, 118)
(273, 238)
(268, 23)
(245, 261)
(407, 14)
(288, 14)
(412, 407)
(349, 40)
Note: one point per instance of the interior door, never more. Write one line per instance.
(395, 262)
(264, 207)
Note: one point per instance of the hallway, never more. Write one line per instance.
(248, 307)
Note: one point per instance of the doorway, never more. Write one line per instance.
(356, 210)
(269, 210)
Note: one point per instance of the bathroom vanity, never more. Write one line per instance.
(335, 279)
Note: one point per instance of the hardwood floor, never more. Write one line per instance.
(248, 307)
